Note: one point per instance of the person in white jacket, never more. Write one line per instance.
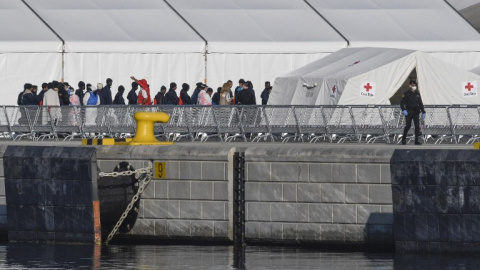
(50, 98)
(91, 99)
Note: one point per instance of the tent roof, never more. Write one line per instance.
(118, 26)
(243, 26)
(476, 70)
(348, 63)
(470, 10)
(23, 31)
(462, 4)
(427, 25)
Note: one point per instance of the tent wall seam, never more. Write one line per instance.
(53, 31)
(198, 33)
(461, 16)
(328, 22)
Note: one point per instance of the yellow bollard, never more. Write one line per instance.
(476, 145)
(145, 123)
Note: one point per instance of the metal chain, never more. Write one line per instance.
(137, 173)
(147, 174)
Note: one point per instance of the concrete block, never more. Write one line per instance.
(149, 191)
(385, 175)
(355, 233)
(302, 212)
(356, 193)
(173, 209)
(270, 192)
(161, 189)
(321, 213)
(190, 170)
(252, 230)
(344, 214)
(252, 191)
(310, 232)
(213, 210)
(364, 214)
(258, 211)
(289, 172)
(179, 189)
(332, 232)
(289, 231)
(172, 170)
(213, 170)
(289, 192)
(286, 212)
(380, 194)
(309, 192)
(2, 171)
(333, 193)
(258, 171)
(161, 228)
(202, 190)
(190, 210)
(320, 172)
(220, 229)
(2, 184)
(178, 227)
(155, 209)
(387, 211)
(344, 173)
(143, 227)
(265, 231)
(368, 173)
(202, 228)
(220, 191)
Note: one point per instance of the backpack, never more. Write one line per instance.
(92, 99)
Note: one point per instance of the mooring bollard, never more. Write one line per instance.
(144, 135)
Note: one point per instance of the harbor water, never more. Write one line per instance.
(16, 256)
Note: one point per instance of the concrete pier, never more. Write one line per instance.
(295, 193)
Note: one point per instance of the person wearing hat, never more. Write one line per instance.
(411, 105)
(144, 93)
(184, 97)
(132, 95)
(119, 96)
(160, 96)
(171, 97)
(266, 93)
(196, 92)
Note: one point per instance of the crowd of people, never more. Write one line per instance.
(63, 94)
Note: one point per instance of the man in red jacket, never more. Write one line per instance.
(144, 94)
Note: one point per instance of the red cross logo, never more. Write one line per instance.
(469, 86)
(334, 88)
(367, 87)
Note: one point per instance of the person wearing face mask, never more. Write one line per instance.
(411, 105)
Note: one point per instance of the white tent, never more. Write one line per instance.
(29, 51)
(374, 76)
(120, 38)
(470, 10)
(257, 40)
(476, 70)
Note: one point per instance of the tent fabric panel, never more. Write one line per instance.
(465, 60)
(23, 31)
(16, 69)
(157, 69)
(406, 21)
(117, 23)
(387, 79)
(462, 4)
(134, 47)
(228, 24)
(443, 82)
(256, 68)
(476, 70)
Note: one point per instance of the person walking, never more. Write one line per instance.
(106, 94)
(266, 93)
(144, 93)
(119, 96)
(411, 106)
(225, 97)
(247, 95)
(160, 96)
(132, 95)
(196, 91)
(203, 97)
(171, 97)
(80, 91)
(184, 97)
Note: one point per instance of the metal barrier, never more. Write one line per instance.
(369, 123)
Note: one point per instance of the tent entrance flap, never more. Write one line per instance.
(397, 97)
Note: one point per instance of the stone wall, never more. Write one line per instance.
(329, 195)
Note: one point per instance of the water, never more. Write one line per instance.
(216, 257)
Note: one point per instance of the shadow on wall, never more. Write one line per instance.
(436, 261)
(378, 230)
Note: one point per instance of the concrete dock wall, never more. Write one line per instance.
(295, 193)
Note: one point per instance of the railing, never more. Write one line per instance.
(456, 123)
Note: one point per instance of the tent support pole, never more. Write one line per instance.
(195, 30)
(325, 19)
(56, 34)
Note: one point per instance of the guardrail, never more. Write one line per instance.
(367, 123)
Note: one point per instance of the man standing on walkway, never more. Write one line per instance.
(132, 95)
(411, 105)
